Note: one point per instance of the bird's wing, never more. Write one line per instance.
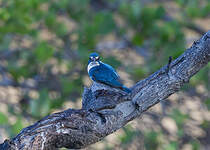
(111, 68)
(106, 75)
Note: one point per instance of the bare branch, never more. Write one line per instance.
(106, 110)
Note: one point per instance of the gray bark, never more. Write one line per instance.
(106, 109)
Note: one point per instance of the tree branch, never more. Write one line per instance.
(106, 110)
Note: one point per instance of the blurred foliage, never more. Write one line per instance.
(152, 140)
(128, 136)
(44, 48)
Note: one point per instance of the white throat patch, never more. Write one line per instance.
(91, 65)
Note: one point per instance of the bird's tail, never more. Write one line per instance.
(127, 90)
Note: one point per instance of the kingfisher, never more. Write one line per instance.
(104, 73)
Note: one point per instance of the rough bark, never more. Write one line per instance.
(106, 109)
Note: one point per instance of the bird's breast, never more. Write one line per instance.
(92, 65)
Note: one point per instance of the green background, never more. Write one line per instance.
(44, 48)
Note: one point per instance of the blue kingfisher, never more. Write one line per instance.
(104, 73)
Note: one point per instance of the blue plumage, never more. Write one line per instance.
(104, 73)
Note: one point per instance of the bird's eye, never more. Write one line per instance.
(97, 58)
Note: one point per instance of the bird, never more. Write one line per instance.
(103, 73)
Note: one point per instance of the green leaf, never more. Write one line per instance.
(3, 119)
(160, 12)
(128, 136)
(138, 39)
(17, 127)
(206, 10)
(205, 124)
(79, 9)
(50, 20)
(18, 71)
(43, 52)
(207, 102)
(171, 146)
(195, 144)
(193, 11)
(61, 29)
(182, 2)
(151, 140)
(179, 117)
(103, 23)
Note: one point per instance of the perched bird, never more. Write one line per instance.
(104, 73)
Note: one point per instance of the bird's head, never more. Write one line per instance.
(94, 57)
